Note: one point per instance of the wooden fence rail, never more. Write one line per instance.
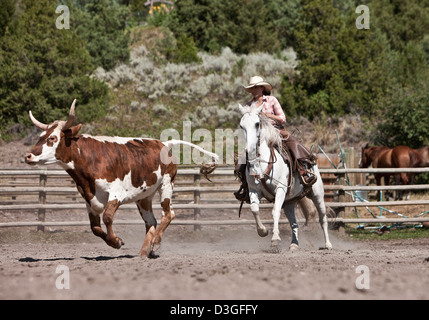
(11, 187)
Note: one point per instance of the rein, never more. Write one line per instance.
(267, 171)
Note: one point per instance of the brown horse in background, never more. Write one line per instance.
(405, 157)
(379, 157)
(397, 157)
(424, 156)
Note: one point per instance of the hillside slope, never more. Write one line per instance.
(152, 95)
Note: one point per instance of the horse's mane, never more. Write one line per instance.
(270, 133)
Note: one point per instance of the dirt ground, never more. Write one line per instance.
(212, 263)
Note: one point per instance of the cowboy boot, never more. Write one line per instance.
(307, 177)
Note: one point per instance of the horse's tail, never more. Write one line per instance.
(308, 209)
(415, 158)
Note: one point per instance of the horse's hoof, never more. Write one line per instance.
(275, 243)
(328, 246)
(262, 232)
(275, 246)
(293, 247)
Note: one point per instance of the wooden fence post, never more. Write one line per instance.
(340, 212)
(350, 158)
(42, 200)
(350, 179)
(197, 198)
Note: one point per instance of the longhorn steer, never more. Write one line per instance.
(110, 171)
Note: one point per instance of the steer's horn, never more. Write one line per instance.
(70, 120)
(38, 124)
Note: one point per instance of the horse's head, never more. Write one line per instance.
(251, 125)
(371, 154)
(365, 161)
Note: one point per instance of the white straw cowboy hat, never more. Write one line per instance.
(258, 81)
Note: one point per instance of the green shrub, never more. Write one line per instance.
(241, 25)
(43, 69)
(102, 25)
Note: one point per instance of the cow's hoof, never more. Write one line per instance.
(151, 255)
(155, 243)
(117, 243)
(143, 254)
(155, 247)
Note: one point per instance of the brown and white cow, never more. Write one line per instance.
(110, 171)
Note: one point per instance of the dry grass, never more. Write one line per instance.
(395, 211)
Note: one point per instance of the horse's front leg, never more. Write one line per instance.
(254, 207)
(278, 203)
(290, 214)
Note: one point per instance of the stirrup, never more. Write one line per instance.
(312, 178)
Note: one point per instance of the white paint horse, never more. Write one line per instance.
(268, 176)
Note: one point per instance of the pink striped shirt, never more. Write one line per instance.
(271, 106)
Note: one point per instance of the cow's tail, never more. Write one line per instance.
(206, 168)
(171, 143)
